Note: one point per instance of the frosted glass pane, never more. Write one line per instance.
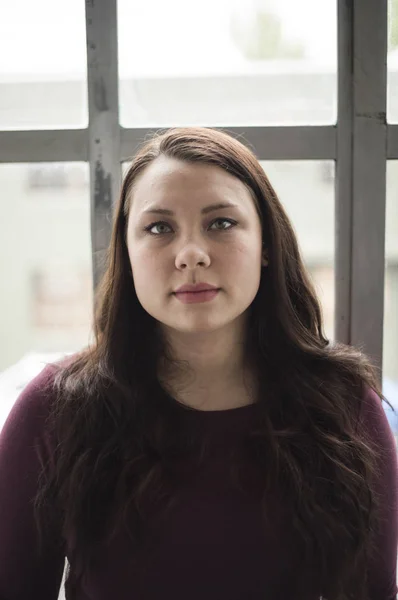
(227, 62)
(392, 62)
(390, 334)
(45, 260)
(43, 76)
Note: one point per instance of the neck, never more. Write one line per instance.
(208, 369)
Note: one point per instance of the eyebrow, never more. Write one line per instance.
(204, 211)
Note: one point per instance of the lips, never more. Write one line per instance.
(198, 287)
(197, 296)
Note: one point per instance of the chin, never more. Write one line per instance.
(198, 326)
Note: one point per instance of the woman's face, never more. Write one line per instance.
(177, 236)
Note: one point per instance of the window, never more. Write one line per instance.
(392, 62)
(45, 266)
(57, 176)
(310, 207)
(223, 62)
(43, 76)
(390, 337)
(61, 299)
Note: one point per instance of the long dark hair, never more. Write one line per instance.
(116, 434)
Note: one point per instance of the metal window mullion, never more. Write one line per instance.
(392, 141)
(361, 175)
(343, 182)
(270, 143)
(369, 175)
(104, 128)
(43, 146)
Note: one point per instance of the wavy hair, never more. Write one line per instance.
(116, 433)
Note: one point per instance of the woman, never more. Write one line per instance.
(211, 443)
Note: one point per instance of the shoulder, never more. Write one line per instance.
(375, 425)
(34, 399)
(25, 442)
(30, 410)
(372, 411)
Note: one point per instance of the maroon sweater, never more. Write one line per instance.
(211, 545)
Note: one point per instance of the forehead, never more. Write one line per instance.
(170, 180)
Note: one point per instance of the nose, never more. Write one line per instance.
(192, 256)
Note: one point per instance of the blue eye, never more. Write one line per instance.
(148, 228)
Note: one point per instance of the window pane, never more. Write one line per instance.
(227, 62)
(45, 269)
(43, 75)
(390, 345)
(306, 190)
(392, 62)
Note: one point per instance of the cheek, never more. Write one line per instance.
(244, 256)
(244, 269)
(147, 267)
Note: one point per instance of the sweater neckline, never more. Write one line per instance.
(224, 422)
(219, 424)
(218, 413)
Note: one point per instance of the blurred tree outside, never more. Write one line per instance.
(393, 25)
(262, 38)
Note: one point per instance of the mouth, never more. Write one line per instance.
(196, 297)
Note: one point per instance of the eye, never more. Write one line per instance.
(230, 222)
(156, 224)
